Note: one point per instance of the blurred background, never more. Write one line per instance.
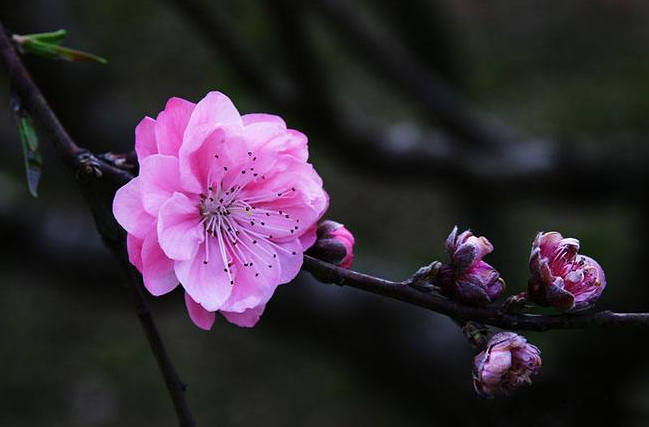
(506, 117)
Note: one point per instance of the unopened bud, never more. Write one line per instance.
(507, 364)
(334, 244)
(467, 278)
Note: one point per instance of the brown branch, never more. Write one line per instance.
(98, 181)
(494, 316)
(99, 194)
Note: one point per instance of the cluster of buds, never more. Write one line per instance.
(334, 244)
(467, 278)
(506, 364)
(562, 278)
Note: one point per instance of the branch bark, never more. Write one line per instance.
(494, 316)
(98, 181)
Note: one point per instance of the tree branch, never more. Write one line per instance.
(494, 316)
(98, 183)
(99, 191)
(391, 60)
(514, 164)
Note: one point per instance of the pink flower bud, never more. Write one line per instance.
(469, 279)
(507, 364)
(335, 244)
(560, 276)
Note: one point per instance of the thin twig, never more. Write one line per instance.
(99, 193)
(98, 182)
(493, 316)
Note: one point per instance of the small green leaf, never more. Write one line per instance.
(54, 37)
(47, 45)
(33, 159)
(78, 55)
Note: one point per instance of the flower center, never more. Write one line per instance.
(242, 231)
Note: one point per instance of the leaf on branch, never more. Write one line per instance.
(31, 154)
(48, 46)
(54, 37)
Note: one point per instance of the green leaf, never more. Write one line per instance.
(54, 37)
(47, 45)
(33, 159)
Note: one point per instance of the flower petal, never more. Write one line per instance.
(291, 142)
(214, 110)
(290, 260)
(249, 119)
(157, 270)
(129, 212)
(145, 142)
(247, 319)
(257, 276)
(207, 283)
(160, 179)
(171, 124)
(179, 229)
(202, 318)
(308, 238)
(207, 157)
(134, 249)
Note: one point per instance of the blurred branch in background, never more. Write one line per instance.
(477, 152)
(98, 182)
(534, 164)
(323, 271)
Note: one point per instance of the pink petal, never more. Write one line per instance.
(290, 260)
(242, 161)
(291, 142)
(293, 190)
(249, 119)
(271, 132)
(179, 229)
(157, 270)
(145, 143)
(171, 124)
(208, 156)
(202, 318)
(253, 284)
(214, 110)
(160, 179)
(207, 283)
(308, 238)
(129, 210)
(260, 130)
(247, 319)
(134, 249)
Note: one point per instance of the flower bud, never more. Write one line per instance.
(562, 278)
(467, 278)
(334, 244)
(507, 364)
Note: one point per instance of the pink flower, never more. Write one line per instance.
(468, 279)
(223, 204)
(334, 244)
(507, 364)
(560, 276)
